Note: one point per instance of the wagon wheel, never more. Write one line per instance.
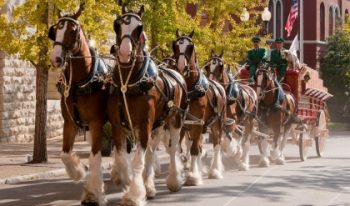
(303, 145)
(322, 134)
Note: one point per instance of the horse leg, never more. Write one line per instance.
(74, 168)
(216, 168)
(137, 192)
(194, 177)
(174, 179)
(94, 187)
(187, 156)
(264, 159)
(281, 160)
(148, 172)
(248, 128)
(275, 153)
(121, 170)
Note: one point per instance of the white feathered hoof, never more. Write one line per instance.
(280, 161)
(130, 202)
(264, 162)
(243, 167)
(174, 184)
(119, 181)
(89, 199)
(150, 191)
(275, 154)
(215, 174)
(193, 180)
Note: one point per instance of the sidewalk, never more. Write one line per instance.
(14, 157)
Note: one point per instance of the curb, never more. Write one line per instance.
(43, 175)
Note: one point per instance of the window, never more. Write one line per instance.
(331, 21)
(279, 18)
(322, 22)
(271, 23)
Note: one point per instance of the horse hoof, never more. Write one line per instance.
(89, 203)
(193, 180)
(280, 161)
(243, 167)
(264, 163)
(215, 174)
(274, 154)
(174, 184)
(130, 202)
(150, 192)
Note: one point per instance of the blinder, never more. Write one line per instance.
(52, 32)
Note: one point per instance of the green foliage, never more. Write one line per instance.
(25, 32)
(162, 18)
(335, 70)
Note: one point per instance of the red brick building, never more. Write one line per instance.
(320, 19)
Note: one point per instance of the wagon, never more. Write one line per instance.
(311, 96)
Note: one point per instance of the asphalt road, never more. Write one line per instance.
(318, 181)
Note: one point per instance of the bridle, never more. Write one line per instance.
(77, 40)
(187, 69)
(265, 90)
(221, 64)
(134, 42)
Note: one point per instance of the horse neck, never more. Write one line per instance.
(192, 79)
(81, 66)
(270, 97)
(225, 79)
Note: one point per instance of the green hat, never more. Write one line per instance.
(256, 39)
(279, 40)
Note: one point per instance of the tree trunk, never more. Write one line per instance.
(42, 76)
(40, 151)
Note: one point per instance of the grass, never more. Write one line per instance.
(339, 126)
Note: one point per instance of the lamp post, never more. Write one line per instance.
(245, 15)
(266, 17)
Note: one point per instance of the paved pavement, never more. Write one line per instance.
(324, 181)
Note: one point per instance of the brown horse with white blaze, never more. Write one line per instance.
(146, 102)
(207, 109)
(83, 101)
(277, 111)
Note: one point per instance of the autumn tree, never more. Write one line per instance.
(24, 32)
(216, 23)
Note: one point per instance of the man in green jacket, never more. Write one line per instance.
(254, 57)
(276, 60)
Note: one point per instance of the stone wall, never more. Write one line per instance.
(17, 102)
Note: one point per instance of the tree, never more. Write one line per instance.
(25, 34)
(221, 31)
(335, 70)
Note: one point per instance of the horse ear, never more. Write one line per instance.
(222, 53)
(124, 9)
(52, 33)
(78, 13)
(212, 53)
(59, 13)
(178, 33)
(191, 34)
(141, 11)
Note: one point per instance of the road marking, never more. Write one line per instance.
(333, 199)
(248, 188)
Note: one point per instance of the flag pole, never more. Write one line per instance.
(301, 33)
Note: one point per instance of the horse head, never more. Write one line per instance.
(130, 36)
(67, 36)
(183, 48)
(215, 68)
(265, 76)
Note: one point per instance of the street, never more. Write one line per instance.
(318, 181)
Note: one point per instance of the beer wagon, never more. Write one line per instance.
(311, 95)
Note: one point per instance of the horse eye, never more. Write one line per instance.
(60, 25)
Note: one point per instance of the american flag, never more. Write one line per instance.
(293, 15)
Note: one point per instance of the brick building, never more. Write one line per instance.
(321, 18)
